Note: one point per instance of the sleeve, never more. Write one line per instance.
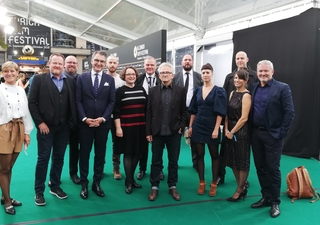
(193, 107)
(27, 120)
(288, 109)
(78, 96)
(117, 107)
(34, 100)
(220, 102)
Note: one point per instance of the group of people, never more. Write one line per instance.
(155, 108)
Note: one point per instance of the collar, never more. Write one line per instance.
(66, 73)
(162, 86)
(93, 73)
(269, 83)
(184, 72)
(63, 76)
(153, 75)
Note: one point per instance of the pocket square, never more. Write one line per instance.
(106, 84)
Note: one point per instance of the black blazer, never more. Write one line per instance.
(178, 110)
(279, 111)
(40, 101)
(141, 79)
(91, 106)
(197, 81)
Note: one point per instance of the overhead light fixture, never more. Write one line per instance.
(3, 10)
(4, 20)
(8, 29)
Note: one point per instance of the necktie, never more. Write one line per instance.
(96, 84)
(149, 81)
(186, 84)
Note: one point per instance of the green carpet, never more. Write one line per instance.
(119, 208)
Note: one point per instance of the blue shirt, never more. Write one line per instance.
(58, 83)
(260, 103)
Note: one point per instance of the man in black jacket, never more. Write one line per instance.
(51, 104)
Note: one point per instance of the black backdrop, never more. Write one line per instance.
(293, 45)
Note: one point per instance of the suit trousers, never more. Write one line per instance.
(115, 156)
(73, 152)
(267, 154)
(172, 143)
(57, 140)
(98, 137)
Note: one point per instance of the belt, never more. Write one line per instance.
(260, 128)
(20, 127)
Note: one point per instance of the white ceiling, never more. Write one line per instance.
(111, 23)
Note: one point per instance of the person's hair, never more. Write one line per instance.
(124, 71)
(8, 65)
(99, 53)
(266, 62)
(112, 57)
(207, 66)
(166, 64)
(22, 76)
(149, 58)
(56, 54)
(243, 74)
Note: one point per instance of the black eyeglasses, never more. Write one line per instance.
(99, 61)
(167, 72)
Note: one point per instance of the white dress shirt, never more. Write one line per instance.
(190, 87)
(145, 84)
(93, 76)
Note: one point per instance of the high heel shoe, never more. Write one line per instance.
(242, 195)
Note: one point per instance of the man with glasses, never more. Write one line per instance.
(166, 117)
(95, 99)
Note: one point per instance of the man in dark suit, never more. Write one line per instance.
(166, 118)
(241, 62)
(51, 104)
(147, 80)
(272, 115)
(190, 80)
(70, 68)
(95, 99)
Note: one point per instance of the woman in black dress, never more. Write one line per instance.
(130, 123)
(207, 107)
(237, 133)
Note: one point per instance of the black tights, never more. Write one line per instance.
(130, 162)
(213, 149)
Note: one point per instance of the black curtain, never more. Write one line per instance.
(293, 46)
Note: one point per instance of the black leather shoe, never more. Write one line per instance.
(141, 174)
(75, 179)
(274, 211)
(135, 185)
(161, 175)
(261, 203)
(129, 189)
(84, 192)
(13, 202)
(246, 184)
(97, 189)
(10, 210)
(220, 180)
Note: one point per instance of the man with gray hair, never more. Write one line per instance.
(166, 118)
(271, 117)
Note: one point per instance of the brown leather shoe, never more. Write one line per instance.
(175, 194)
(213, 189)
(153, 195)
(202, 187)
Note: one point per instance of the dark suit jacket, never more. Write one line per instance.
(91, 106)
(178, 110)
(141, 79)
(197, 81)
(40, 99)
(279, 109)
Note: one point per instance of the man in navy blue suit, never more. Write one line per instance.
(272, 115)
(95, 99)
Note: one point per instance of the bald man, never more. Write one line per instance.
(70, 69)
(241, 60)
